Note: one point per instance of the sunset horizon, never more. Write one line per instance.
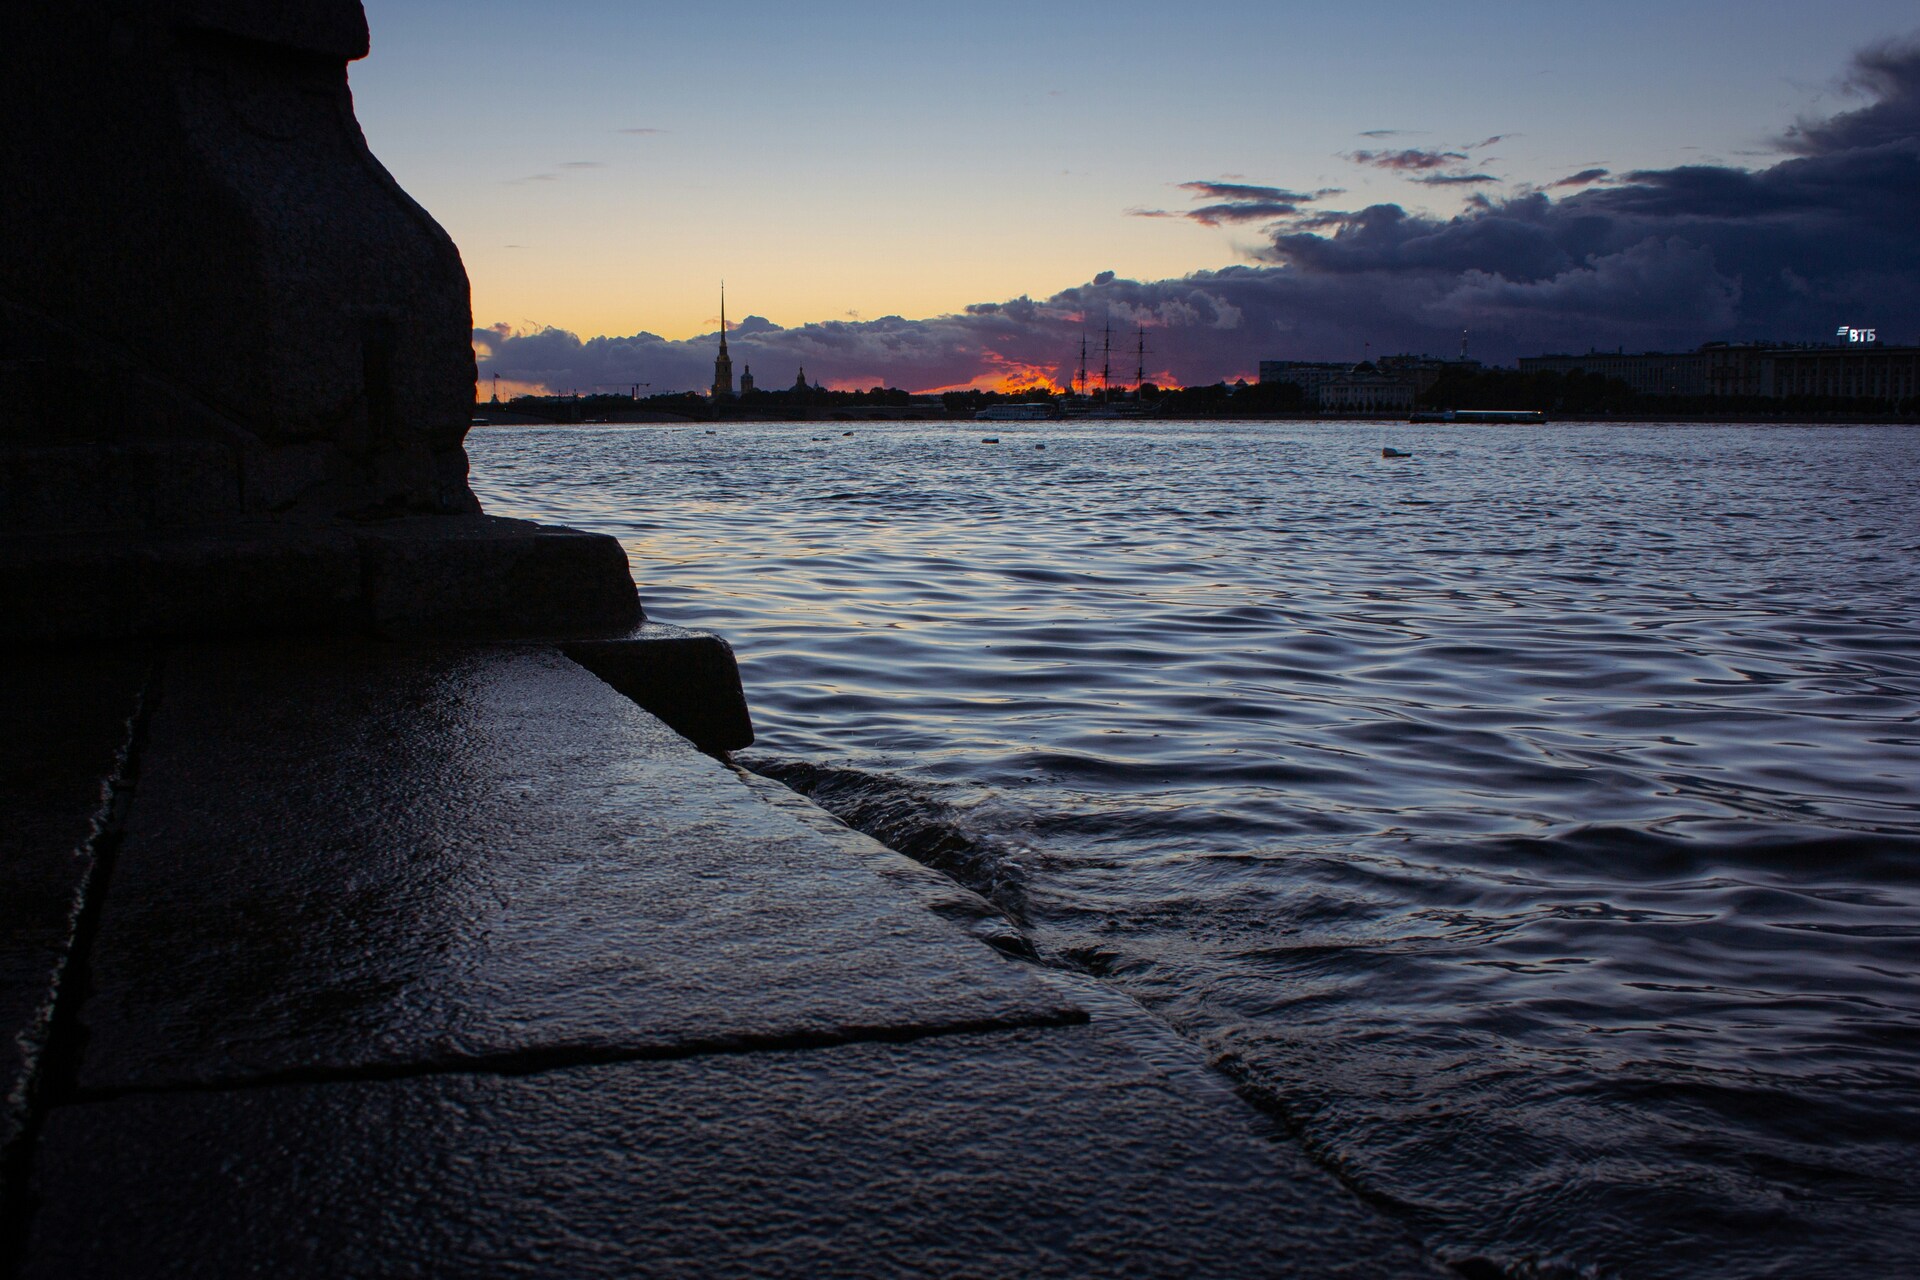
(1740, 191)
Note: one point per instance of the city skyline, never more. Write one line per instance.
(1294, 184)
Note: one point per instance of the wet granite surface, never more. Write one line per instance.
(360, 857)
(1060, 1152)
(451, 961)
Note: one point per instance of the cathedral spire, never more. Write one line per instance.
(723, 363)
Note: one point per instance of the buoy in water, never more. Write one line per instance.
(1394, 453)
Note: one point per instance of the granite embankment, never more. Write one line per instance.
(363, 958)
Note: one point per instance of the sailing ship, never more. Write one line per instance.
(1083, 403)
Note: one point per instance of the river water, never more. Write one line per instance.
(1533, 823)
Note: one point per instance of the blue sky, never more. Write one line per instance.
(851, 161)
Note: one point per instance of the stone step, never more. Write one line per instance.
(687, 678)
(456, 576)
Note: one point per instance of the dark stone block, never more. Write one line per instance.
(485, 576)
(687, 678)
(113, 486)
(254, 579)
(467, 576)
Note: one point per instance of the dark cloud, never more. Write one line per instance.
(1410, 160)
(1652, 259)
(1667, 256)
(1512, 238)
(1889, 73)
(1384, 133)
(1213, 215)
(1241, 191)
(1431, 166)
(1236, 202)
(1584, 178)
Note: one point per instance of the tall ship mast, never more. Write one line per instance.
(1083, 403)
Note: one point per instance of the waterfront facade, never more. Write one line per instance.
(1308, 375)
(1848, 373)
(1649, 373)
(1365, 393)
(1421, 372)
(1855, 372)
(1388, 386)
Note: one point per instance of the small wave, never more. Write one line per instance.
(1623, 854)
(908, 819)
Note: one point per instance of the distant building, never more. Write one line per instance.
(1421, 372)
(1649, 373)
(1306, 374)
(1365, 393)
(1389, 385)
(1848, 373)
(1738, 368)
(746, 380)
(1361, 388)
(1753, 369)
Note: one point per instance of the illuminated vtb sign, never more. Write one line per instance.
(1857, 335)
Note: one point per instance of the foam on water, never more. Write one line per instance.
(1531, 823)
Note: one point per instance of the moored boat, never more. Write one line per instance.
(1029, 412)
(1477, 415)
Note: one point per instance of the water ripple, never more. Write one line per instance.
(1534, 828)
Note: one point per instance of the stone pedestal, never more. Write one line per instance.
(239, 357)
(472, 577)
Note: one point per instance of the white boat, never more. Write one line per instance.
(1477, 415)
(1036, 412)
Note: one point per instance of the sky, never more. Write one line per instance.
(934, 196)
